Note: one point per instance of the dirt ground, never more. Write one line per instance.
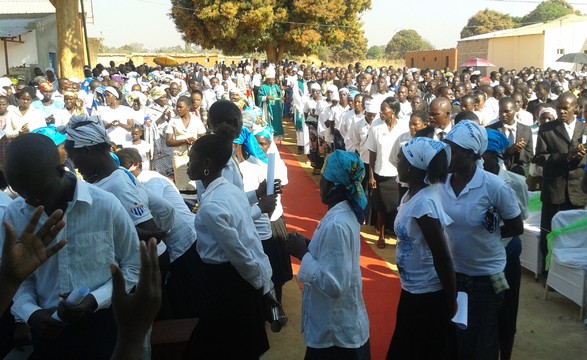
(547, 329)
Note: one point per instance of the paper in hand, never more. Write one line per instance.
(460, 318)
(270, 173)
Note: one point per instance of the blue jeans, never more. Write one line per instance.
(481, 338)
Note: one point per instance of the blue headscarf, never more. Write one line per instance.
(250, 146)
(52, 133)
(346, 170)
(496, 141)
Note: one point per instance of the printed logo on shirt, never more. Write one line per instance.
(138, 209)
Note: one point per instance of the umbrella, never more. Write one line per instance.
(575, 58)
(165, 61)
(476, 62)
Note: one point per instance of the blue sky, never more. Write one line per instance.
(439, 21)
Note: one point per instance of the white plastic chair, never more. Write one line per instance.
(568, 264)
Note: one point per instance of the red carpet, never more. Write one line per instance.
(381, 287)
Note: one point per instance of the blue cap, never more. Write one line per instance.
(52, 133)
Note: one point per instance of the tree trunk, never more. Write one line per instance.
(70, 50)
(271, 52)
(280, 52)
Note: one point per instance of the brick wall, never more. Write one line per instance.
(433, 59)
(470, 49)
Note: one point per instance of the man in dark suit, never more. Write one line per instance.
(440, 124)
(542, 91)
(520, 152)
(560, 150)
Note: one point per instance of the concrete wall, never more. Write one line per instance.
(19, 53)
(46, 33)
(570, 37)
(434, 59)
(516, 52)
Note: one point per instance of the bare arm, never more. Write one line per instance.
(434, 237)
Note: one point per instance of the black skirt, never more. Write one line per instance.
(184, 285)
(385, 197)
(278, 256)
(232, 322)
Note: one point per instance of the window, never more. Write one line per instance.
(435, 59)
(423, 58)
(446, 61)
(560, 51)
(411, 62)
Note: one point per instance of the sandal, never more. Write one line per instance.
(381, 244)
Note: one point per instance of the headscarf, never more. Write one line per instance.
(52, 133)
(315, 86)
(421, 150)
(469, 135)
(157, 92)
(496, 141)
(134, 95)
(45, 86)
(548, 110)
(112, 91)
(86, 130)
(72, 94)
(264, 132)
(250, 146)
(346, 170)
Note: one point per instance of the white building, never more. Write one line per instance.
(532, 45)
(28, 32)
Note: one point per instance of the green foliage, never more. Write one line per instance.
(376, 52)
(486, 21)
(406, 40)
(548, 10)
(274, 26)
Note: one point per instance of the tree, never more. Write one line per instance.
(486, 21)
(549, 10)
(274, 26)
(405, 40)
(351, 48)
(376, 52)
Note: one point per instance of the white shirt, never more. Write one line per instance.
(414, 258)
(254, 172)
(226, 233)
(381, 140)
(524, 117)
(333, 309)
(146, 151)
(182, 234)
(570, 127)
(16, 120)
(359, 135)
(179, 131)
(446, 130)
(133, 197)
(348, 119)
(98, 232)
(117, 134)
(475, 251)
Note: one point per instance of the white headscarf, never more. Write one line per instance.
(469, 135)
(421, 150)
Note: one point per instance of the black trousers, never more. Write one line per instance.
(338, 353)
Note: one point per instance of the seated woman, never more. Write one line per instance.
(235, 269)
(334, 317)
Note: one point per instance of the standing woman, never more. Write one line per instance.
(428, 298)
(23, 119)
(334, 317)
(183, 130)
(47, 105)
(476, 200)
(269, 99)
(159, 115)
(382, 173)
(235, 270)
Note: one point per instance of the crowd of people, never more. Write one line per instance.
(441, 160)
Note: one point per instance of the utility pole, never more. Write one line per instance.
(70, 50)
